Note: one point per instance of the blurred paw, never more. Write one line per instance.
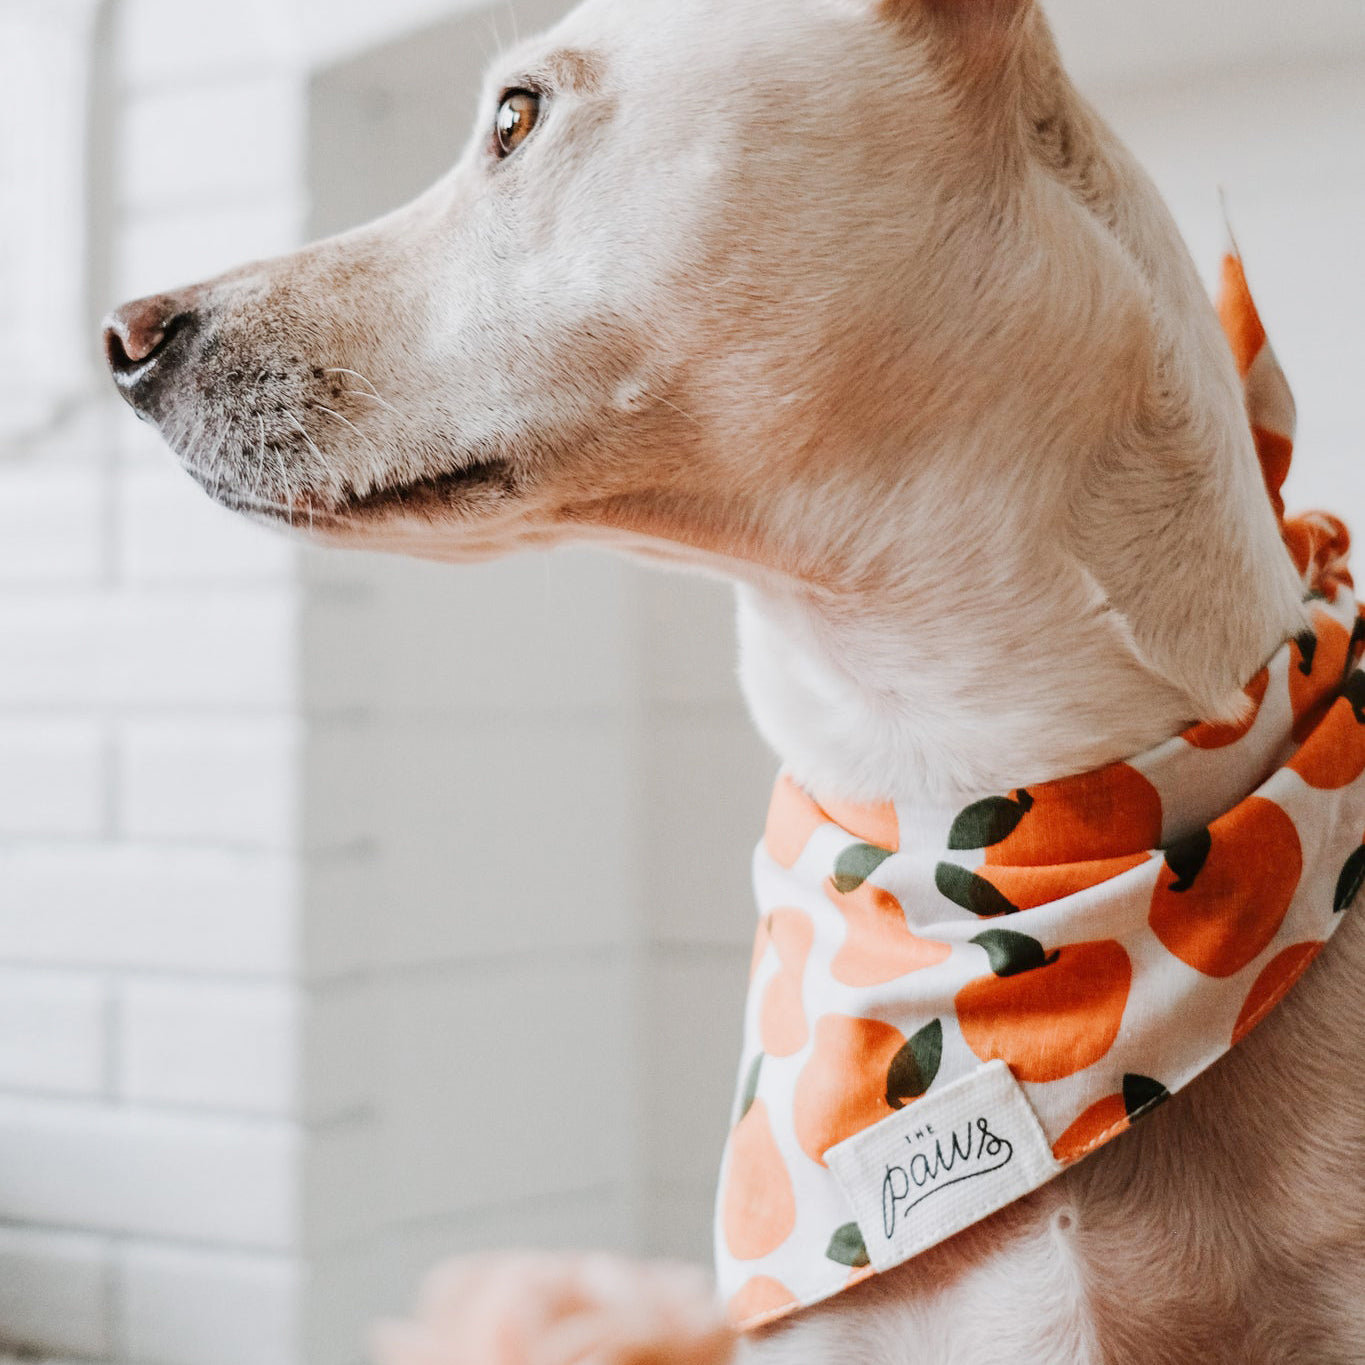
(561, 1310)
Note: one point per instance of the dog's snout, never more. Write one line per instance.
(140, 344)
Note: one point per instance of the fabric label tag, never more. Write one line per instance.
(944, 1162)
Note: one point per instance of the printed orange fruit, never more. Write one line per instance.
(1109, 1117)
(879, 946)
(1048, 1015)
(1332, 539)
(1111, 813)
(1103, 1120)
(760, 1298)
(758, 1209)
(1276, 453)
(792, 818)
(1333, 756)
(1317, 669)
(1272, 985)
(1237, 312)
(1220, 735)
(1320, 540)
(1223, 892)
(782, 1015)
(874, 824)
(842, 1087)
(990, 892)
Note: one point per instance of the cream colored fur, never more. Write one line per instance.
(860, 305)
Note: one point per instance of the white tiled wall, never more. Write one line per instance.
(151, 1134)
(44, 69)
(325, 945)
(353, 913)
(55, 1290)
(180, 1306)
(53, 1031)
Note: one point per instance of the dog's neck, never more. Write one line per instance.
(1025, 654)
(964, 687)
(1100, 566)
(1007, 660)
(938, 701)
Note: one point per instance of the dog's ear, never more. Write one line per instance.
(969, 13)
(968, 17)
(981, 30)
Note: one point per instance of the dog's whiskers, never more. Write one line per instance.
(370, 391)
(355, 374)
(331, 412)
(284, 473)
(195, 460)
(260, 471)
(303, 431)
(373, 397)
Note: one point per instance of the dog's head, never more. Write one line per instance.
(708, 265)
(691, 248)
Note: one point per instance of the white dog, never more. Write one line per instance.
(858, 303)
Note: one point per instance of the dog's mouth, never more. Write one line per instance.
(438, 493)
(430, 498)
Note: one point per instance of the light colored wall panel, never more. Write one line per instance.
(1285, 144)
(54, 1293)
(507, 1083)
(67, 1164)
(1110, 45)
(189, 910)
(506, 836)
(185, 1307)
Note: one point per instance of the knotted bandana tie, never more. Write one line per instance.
(949, 1007)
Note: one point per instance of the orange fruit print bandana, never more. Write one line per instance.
(949, 1007)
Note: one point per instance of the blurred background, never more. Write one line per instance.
(353, 912)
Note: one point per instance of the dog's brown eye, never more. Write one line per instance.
(518, 115)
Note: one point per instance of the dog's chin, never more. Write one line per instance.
(459, 491)
(458, 495)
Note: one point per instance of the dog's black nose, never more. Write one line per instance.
(142, 342)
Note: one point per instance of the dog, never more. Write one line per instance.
(860, 305)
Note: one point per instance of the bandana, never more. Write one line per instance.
(949, 1007)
